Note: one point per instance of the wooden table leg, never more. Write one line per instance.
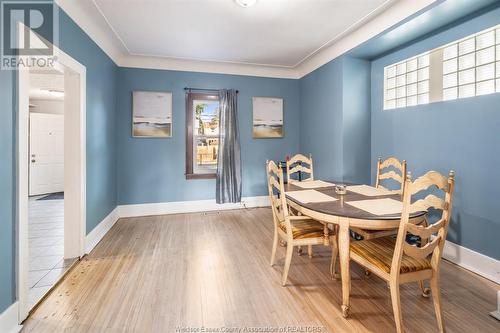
(326, 235)
(344, 240)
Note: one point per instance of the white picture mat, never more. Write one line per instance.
(312, 184)
(368, 190)
(152, 108)
(384, 206)
(152, 104)
(267, 110)
(310, 196)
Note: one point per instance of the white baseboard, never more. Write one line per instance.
(9, 319)
(100, 230)
(164, 208)
(496, 314)
(476, 262)
(462, 256)
(178, 207)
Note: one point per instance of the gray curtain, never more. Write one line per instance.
(229, 159)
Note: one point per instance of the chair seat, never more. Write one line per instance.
(379, 252)
(304, 229)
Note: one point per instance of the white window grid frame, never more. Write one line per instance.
(422, 82)
(494, 63)
(391, 103)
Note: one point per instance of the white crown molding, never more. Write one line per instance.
(88, 16)
(95, 26)
(150, 62)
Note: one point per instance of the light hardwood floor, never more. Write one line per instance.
(154, 274)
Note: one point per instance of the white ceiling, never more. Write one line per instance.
(273, 32)
(275, 38)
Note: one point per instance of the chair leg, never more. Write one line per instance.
(425, 291)
(396, 306)
(299, 250)
(335, 254)
(275, 245)
(288, 260)
(436, 298)
(310, 251)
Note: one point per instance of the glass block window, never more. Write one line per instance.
(471, 67)
(407, 83)
(465, 68)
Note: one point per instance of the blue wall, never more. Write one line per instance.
(7, 188)
(101, 122)
(152, 170)
(101, 147)
(321, 119)
(460, 135)
(356, 120)
(335, 119)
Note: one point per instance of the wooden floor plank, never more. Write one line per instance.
(158, 273)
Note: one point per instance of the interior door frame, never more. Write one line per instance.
(74, 167)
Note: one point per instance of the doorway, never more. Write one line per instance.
(51, 176)
(47, 263)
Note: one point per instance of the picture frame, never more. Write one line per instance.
(151, 114)
(267, 118)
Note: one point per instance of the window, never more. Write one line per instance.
(471, 67)
(202, 141)
(407, 83)
(465, 68)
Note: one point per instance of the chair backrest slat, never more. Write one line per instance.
(300, 163)
(276, 191)
(397, 165)
(420, 252)
(429, 179)
(440, 229)
(425, 232)
(430, 201)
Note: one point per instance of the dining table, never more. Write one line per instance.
(361, 206)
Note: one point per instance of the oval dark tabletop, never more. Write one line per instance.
(341, 208)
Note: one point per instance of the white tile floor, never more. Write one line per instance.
(46, 246)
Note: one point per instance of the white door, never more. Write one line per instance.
(46, 154)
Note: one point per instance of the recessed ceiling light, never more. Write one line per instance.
(246, 3)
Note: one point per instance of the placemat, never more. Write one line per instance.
(379, 206)
(310, 196)
(369, 191)
(313, 184)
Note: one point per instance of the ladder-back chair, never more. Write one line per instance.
(398, 174)
(300, 163)
(294, 230)
(398, 262)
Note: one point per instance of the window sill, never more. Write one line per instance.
(200, 176)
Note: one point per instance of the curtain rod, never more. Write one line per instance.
(204, 89)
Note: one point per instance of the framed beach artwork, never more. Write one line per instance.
(151, 114)
(267, 117)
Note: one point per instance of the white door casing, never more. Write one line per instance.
(46, 145)
(74, 167)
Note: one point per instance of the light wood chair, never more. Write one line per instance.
(294, 230)
(398, 174)
(300, 163)
(398, 262)
(400, 177)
